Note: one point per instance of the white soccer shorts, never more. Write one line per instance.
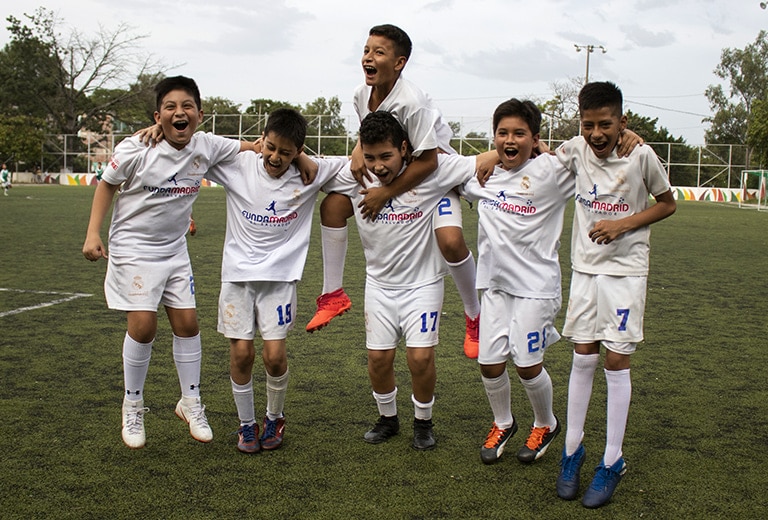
(520, 329)
(391, 314)
(606, 308)
(246, 306)
(142, 284)
(448, 211)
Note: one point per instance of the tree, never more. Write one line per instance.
(674, 152)
(21, 139)
(257, 112)
(746, 72)
(222, 116)
(757, 136)
(325, 122)
(59, 74)
(560, 115)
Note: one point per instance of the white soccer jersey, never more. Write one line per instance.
(268, 220)
(520, 220)
(610, 189)
(399, 245)
(415, 111)
(159, 184)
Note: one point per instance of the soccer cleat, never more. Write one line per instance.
(497, 438)
(272, 435)
(134, 435)
(329, 306)
(192, 227)
(423, 436)
(248, 438)
(604, 484)
(192, 411)
(537, 443)
(570, 468)
(384, 428)
(471, 337)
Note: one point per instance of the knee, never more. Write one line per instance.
(452, 245)
(335, 209)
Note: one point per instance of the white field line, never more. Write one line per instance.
(66, 298)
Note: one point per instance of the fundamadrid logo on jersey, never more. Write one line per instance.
(272, 216)
(400, 214)
(509, 203)
(175, 187)
(603, 203)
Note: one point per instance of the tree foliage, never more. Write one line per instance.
(71, 79)
(21, 138)
(746, 73)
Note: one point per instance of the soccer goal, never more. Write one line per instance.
(750, 196)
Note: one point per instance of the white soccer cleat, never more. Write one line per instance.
(133, 424)
(192, 411)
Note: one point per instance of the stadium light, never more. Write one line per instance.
(590, 48)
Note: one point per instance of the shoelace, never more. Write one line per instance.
(494, 436)
(570, 465)
(270, 428)
(197, 414)
(248, 433)
(134, 420)
(536, 438)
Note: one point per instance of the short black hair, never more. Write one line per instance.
(526, 110)
(288, 123)
(177, 83)
(399, 37)
(601, 94)
(380, 127)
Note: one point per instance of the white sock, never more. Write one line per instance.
(498, 391)
(334, 254)
(464, 274)
(277, 387)
(422, 411)
(243, 395)
(135, 366)
(579, 393)
(188, 356)
(387, 403)
(619, 389)
(539, 390)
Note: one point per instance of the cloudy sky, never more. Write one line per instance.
(468, 54)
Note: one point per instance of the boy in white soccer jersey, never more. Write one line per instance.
(148, 262)
(520, 219)
(269, 219)
(610, 253)
(385, 55)
(404, 273)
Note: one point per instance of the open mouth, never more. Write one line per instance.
(180, 125)
(511, 153)
(369, 71)
(599, 147)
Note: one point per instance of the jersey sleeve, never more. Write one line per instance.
(655, 175)
(124, 161)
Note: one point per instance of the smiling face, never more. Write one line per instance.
(179, 116)
(514, 141)
(381, 65)
(384, 159)
(278, 153)
(601, 127)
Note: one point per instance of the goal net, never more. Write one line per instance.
(753, 189)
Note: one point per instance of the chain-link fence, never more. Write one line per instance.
(715, 166)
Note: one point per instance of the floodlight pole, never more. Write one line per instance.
(589, 48)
